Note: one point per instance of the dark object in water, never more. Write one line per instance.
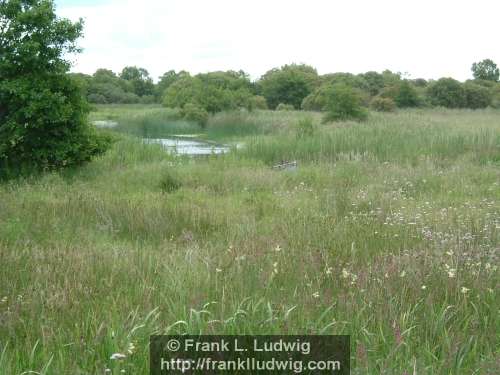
(286, 166)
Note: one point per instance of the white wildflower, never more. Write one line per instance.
(465, 290)
(424, 287)
(316, 295)
(118, 356)
(131, 348)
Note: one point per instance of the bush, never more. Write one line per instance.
(192, 112)
(285, 107)
(170, 183)
(477, 96)
(317, 100)
(344, 103)
(495, 92)
(381, 104)
(97, 99)
(406, 96)
(258, 102)
(447, 92)
(305, 128)
(289, 84)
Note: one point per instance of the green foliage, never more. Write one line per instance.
(105, 87)
(382, 104)
(406, 95)
(43, 121)
(495, 93)
(194, 113)
(486, 70)
(318, 99)
(167, 79)
(170, 182)
(214, 92)
(305, 127)
(344, 103)
(258, 102)
(447, 92)
(477, 96)
(285, 107)
(374, 82)
(139, 78)
(289, 84)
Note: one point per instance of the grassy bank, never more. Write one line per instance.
(388, 231)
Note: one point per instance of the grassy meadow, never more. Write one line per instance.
(388, 231)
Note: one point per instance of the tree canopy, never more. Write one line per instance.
(42, 111)
(486, 70)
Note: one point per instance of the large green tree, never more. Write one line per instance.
(42, 110)
(290, 84)
(486, 70)
(140, 79)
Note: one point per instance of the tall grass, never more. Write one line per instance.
(388, 231)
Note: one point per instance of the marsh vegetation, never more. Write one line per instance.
(388, 231)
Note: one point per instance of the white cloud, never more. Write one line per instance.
(426, 38)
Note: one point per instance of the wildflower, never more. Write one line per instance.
(275, 267)
(487, 266)
(403, 274)
(329, 270)
(316, 295)
(131, 348)
(118, 356)
(451, 273)
(218, 270)
(345, 273)
(4, 300)
(107, 371)
(465, 290)
(449, 253)
(277, 249)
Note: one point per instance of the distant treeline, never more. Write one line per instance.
(294, 86)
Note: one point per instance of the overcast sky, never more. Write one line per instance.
(426, 38)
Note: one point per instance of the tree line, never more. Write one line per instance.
(293, 86)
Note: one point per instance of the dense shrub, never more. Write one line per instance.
(318, 99)
(495, 93)
(477, 96)
(213, 92)
(381, 104)
(258, 102)
(285, 107)
(193, 112)
(344, 103)
(289, 84)
(447, 92)
(406, 96)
